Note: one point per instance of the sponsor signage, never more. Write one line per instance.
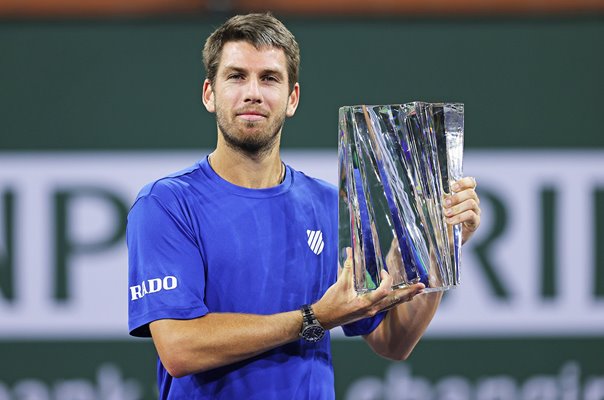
(535, 267)
(153, 286)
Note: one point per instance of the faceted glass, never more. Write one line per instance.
(396, 165)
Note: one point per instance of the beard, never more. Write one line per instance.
(253, 143)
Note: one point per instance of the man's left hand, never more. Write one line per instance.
(462, 207)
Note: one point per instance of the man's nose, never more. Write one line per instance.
(253, 93)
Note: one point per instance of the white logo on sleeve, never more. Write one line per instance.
(153, 286)
(315, 241)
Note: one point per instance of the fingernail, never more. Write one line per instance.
(448, 202)
(455, 186)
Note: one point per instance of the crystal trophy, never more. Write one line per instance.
(396, 166)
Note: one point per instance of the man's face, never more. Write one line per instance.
(250, 96)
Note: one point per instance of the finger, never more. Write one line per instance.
(377, 296)
(472, 222)
(348, 261)
(460, 197)
(404, 295)
(468, 182)
(408, 293)
(345, 273)
(385, 286)
(386, 280)
(468, 205)
(470, 219)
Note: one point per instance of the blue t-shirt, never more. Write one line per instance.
(199, 244)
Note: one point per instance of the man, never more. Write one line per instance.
(221, 275)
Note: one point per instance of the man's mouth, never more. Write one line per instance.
(251, 115)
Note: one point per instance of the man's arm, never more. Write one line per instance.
(217, 339)
(403, 326)
(405, 323)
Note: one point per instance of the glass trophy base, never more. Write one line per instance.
(426, 290)
(439, 289)
(404, 285)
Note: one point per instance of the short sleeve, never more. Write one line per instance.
(363, 326)
(166, 277)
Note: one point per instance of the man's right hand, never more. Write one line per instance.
(342, 305)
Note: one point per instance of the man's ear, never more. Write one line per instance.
(207, 96)
(292, 102)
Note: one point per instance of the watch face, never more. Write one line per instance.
(313, 333)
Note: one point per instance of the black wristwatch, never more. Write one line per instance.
(311, 331)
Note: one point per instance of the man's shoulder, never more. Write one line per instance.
(176, 184)
(315, 184)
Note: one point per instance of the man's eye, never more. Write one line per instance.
(235, 76)
(271, 78)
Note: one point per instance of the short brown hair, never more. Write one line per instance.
(260, 30)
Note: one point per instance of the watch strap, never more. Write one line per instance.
(308, 315)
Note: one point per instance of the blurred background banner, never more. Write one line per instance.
(53, 8)
(91, 109)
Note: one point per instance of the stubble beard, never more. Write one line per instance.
(254, 145)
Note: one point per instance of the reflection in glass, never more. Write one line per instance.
(396, 165)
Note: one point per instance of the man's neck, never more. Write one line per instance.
(250, 171)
